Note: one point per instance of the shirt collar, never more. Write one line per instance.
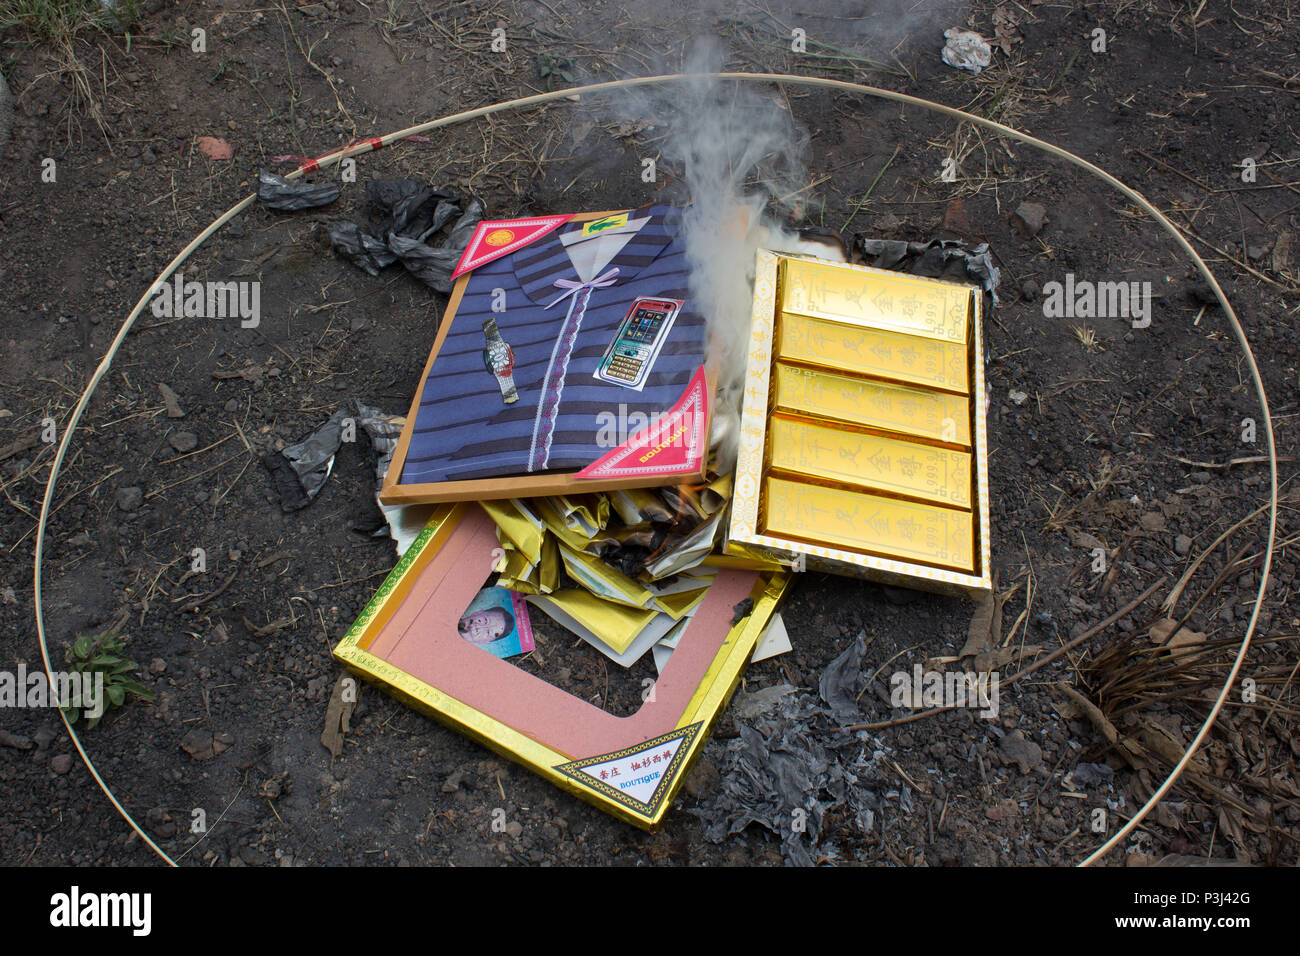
(538, 265)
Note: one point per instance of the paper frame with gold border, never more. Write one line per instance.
(685, 732)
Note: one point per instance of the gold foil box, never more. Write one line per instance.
(785, 535)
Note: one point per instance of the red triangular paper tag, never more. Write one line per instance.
(672, 444)
(500, 237)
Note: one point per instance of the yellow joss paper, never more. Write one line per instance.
(686, 553)
(744, 556)
(586, 515)
(717, 493)
(626, 509)
(554, 521)
(520, 525)
(617, 625)
(516, 572)
(603, 580)
(548, 567)
(679, 605)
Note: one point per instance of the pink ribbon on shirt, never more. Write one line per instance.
(573, 286)
(548, 405)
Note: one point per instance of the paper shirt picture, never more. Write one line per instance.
(542, 347)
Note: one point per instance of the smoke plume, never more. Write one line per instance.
(741, 155)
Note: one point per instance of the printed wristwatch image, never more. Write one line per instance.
(499, 358)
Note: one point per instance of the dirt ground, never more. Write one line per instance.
(1132, 440)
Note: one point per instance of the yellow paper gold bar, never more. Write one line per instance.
(909, 359)
(888, 527)
(870, 462)
(937, 416)
(893, 301)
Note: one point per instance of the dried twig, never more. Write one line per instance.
(194, 602)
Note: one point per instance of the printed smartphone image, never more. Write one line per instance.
(628, 359)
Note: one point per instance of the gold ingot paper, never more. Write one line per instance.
(944, 537)
(937, 416)
(871, 462)
(895, 302)
(813, 357)
(909, 359)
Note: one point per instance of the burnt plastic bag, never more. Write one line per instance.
(433, 265)
(360, 248)
(938, 259)
(409, 208)
(289, 195)
(299, 471)
(411, 213)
